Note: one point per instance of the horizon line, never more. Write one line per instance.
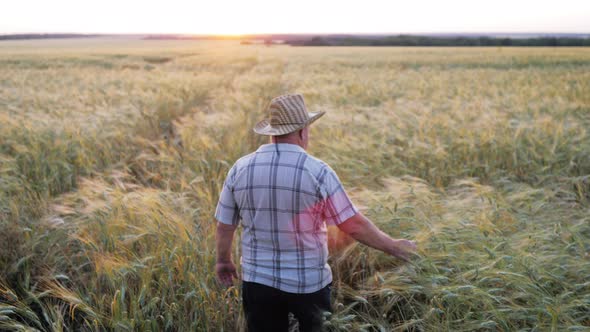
(292, 33)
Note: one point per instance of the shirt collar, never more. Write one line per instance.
(281, 147)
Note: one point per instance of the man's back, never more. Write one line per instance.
(282, 196)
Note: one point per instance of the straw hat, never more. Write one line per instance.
(287, 113)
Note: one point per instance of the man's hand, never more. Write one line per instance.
(403, 249)
(226, 271)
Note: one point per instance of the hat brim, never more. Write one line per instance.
(264, 128)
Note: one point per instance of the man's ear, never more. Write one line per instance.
(300, 133)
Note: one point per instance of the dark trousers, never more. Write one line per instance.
(267, 308)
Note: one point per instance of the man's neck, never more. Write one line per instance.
(277, 140)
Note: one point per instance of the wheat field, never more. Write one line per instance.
(113, 152)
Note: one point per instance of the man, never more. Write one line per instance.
(283, 198)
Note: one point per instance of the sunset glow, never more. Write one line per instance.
(306, 16)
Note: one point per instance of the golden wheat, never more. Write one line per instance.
(112, 154)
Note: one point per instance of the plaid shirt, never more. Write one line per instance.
(282, 196)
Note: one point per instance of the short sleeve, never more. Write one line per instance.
(337, 207)
(227, 211)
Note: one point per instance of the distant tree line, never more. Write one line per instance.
(408, 40)
(348, 40)
(44, 36)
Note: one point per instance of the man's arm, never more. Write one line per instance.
(363, 230)
(225, 268)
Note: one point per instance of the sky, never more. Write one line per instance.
(301, 16)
